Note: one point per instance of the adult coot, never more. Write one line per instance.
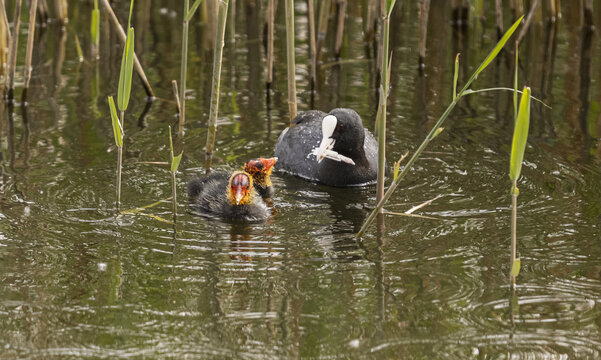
(260, 169)
(332, 149)
(229, 196)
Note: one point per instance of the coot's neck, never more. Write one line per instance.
(357, 155)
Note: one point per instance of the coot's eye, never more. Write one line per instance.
(340, 126)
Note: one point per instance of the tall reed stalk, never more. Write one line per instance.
(178, 106)
(183, 72)
(12, 52)
(290, 57)
(123, 38)
(30, 35)
(499, 16)
(381, 119)
(270, 20)
(436, 128)
(118, 134)
(215, 87)
(95, 30)
(340, 26)
(312, 50)
(4, 37)
(124, 92)
(322, 26)
(424, 10)
(518, 146)
(188, 14)
(529, 18)
(43, 11)
(61, 8)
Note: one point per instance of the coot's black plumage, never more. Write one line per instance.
(332, 149)
(231, 196)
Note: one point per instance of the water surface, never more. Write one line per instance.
(78, 281)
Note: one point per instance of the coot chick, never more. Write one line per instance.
(332, 149)
(229, 196)
(260, 169)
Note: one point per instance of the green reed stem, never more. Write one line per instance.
(30, 35)
(290, 56)
(381, 119)
(312, 50)
(123, 38)
(514, 215)
(12, 52)
(435, 129)
(270, 21)
(184, 71)
(214, 110)
(119, 165)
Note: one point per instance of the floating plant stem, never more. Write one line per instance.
(381, 118)
(28, 54)
(12, 52)
(214, 109)
(123, 39)
(518, 146)
(491, 56)
(290, 56)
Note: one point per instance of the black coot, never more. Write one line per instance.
(332, 149)
(231, 196)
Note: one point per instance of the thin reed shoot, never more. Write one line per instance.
(216, 84)
(435, 129)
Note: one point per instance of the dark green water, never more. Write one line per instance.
(78, 282)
